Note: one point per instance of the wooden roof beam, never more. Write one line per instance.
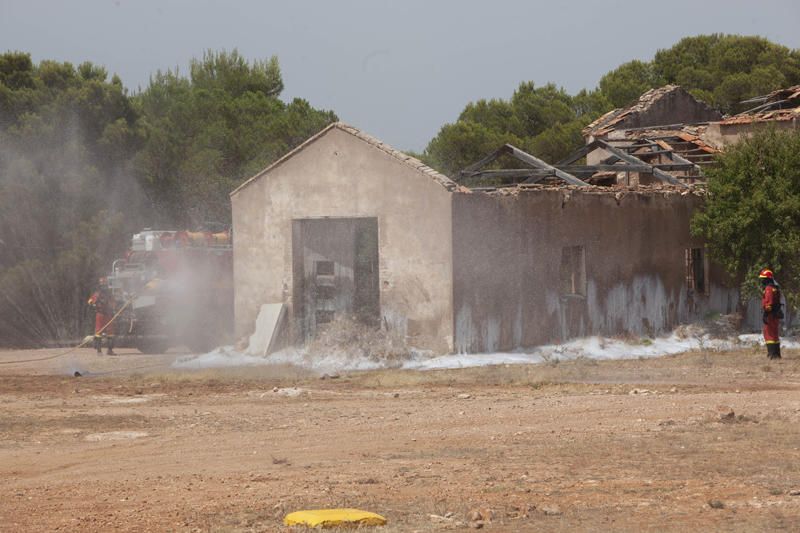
(629, 158)
(538, 163)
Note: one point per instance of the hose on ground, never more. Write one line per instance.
(78, 347)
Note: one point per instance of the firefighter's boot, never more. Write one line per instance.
(98, 344)
(111, 346)
(774, 350)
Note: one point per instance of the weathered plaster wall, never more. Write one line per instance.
(723, 134)
(340, 175)
(507, 255)
(675, 107)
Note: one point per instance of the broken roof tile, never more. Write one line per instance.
(780, 105)
(611, 120)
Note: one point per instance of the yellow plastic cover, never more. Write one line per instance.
(333, 518)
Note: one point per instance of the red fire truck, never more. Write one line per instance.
(180, 284)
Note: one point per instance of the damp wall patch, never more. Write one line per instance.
(531, 268)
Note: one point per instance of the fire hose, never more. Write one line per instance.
(78, 347)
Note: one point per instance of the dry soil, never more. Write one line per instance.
(695, 442)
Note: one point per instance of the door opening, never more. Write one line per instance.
(335, 270)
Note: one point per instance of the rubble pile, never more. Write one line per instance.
(360, 341)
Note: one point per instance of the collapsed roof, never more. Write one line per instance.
(686, 141)
(636, 157)
(780, 105)
(667, 105)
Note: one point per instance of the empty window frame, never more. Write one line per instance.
(573, 271)
(323, 316)
(324, 268)
(696, 269)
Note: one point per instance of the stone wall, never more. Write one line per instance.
(509, 250)
(341, 175)
(724, 133)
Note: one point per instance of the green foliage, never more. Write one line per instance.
(208, 132)
(536, 109)
(68, 136)
(44, 296)
(623, 85)
(721, 70)
(84, 165)
(728, 68)
(751, 218)
(460, 144)
(545, 121)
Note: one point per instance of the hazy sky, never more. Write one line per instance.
(398, 70)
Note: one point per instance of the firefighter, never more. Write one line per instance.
(103, 303)
(772, 313)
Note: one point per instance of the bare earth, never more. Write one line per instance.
(696, 442)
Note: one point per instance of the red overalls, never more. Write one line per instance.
(104, 310)
(770, 304)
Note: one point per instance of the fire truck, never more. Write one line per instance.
(180, 288)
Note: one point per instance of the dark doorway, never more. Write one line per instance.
(335, 270)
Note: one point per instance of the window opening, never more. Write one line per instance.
(323, 316)
(696, 270)
(573, 271)
(324, 268)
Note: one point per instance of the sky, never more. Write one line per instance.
(397, 70)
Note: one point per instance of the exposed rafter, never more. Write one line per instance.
(633, 160)
(549, 170)
(628, 157)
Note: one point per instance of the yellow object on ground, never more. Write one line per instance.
(333, 518)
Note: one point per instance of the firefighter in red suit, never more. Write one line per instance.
(772, 313)
(103, 302)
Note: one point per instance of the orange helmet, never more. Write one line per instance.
(766, 274)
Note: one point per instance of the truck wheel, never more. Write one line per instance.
(200, 344)
(152, 346)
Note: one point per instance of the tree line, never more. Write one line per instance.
(84, 163)
(546, 121)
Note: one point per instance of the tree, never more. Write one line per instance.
(726, 69)
(460, 144)
(207, 132)
(721, 70)
(751, 217)
(68, 137)
(545, 121)
(623, 85)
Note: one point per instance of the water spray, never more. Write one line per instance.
(79, 346)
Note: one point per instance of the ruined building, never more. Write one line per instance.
(596, 244)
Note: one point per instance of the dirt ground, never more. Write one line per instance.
(695, 442)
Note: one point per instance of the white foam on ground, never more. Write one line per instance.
(226, 356)
(221, 357)
(590, 348)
